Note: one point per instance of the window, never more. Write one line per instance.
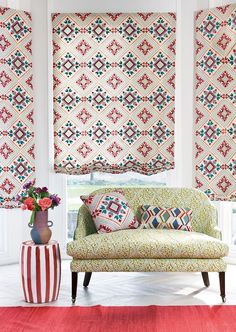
(85, 184)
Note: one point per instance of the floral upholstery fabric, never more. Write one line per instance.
(148, 265)
(139, 251)
(110, 212)
(148, 243)
(166, 217)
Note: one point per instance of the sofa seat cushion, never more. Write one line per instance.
(147, 243)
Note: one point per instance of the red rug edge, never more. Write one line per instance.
(121, 306)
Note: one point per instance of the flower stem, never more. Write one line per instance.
(32, 217)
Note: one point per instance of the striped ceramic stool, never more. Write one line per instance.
(40, 271)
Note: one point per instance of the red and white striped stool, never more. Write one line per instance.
(40, 271)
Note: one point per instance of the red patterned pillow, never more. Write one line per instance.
(110, 212)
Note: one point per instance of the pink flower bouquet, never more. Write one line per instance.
(36, 199)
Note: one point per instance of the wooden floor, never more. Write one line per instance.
(127, 289)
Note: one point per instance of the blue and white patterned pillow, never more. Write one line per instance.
(169, 218)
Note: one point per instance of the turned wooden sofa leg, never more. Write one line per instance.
(87, 278)
(222, 286)
(205, 278)
(74, 282)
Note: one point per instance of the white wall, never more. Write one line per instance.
(102, 6)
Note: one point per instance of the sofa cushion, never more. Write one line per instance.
(168, 217)
(149, 265)
(110, 212)
(147, 243)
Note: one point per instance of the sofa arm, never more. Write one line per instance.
(206, 220)
(85, 224)
(214, 230)
(217, 233)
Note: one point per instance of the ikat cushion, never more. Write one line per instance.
(110, 212)
(170, 218)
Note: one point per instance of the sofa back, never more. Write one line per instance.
(204, 217)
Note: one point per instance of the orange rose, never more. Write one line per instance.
(29, 202)
(45, 203)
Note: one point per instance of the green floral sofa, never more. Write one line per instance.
(149, 249)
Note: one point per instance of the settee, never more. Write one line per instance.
(200, 250)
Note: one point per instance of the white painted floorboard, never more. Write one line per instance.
(126, 289)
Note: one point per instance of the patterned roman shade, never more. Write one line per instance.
(114, 92)
(215, 112)
(16, 105)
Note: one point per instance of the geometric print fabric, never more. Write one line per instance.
(16, 105)
(165, 218)
(215, 103)
(114, 92)
(110, 212)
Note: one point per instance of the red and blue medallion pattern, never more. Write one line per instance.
(110, 212)
(16, 107)
(215, 105)
(114, 92)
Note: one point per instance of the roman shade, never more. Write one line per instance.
(215, 103)
(17, 164)
(114, 92)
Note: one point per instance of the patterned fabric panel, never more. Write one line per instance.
(110, 212)
(215, 115)
(147, 243)
(170, 218)
(204, 219)
(114, 92)
(17, 165)
(148, 265)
